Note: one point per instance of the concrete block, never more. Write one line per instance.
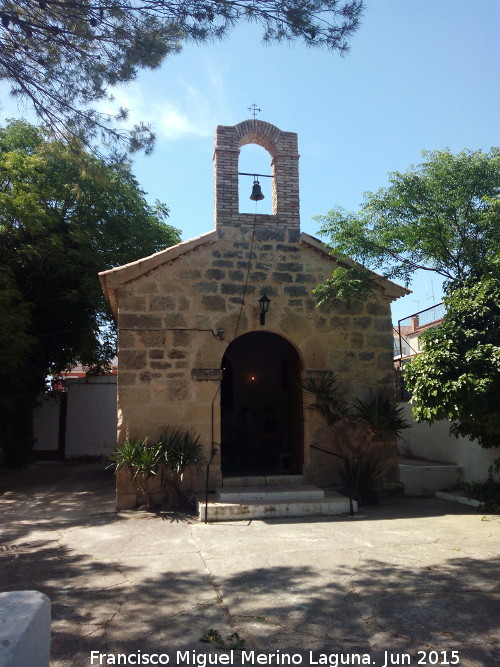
(455, 498)
(424, 479)
(24, 629)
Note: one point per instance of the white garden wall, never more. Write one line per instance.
(90, 423)
(435, 444)
(91, 417)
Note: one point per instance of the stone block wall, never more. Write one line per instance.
(172, 307)
(169, 358)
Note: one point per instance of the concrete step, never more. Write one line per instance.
(264, 480)
(424, 478)
(217, 510)
(241, 494)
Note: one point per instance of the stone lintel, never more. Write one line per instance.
(312, 373)
(206, 374)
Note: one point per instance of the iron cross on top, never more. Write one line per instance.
(254, 109)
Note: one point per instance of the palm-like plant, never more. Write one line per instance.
(381, 414)
(170, 456)
(365, 471)
(182, 450)
(142, 458)
(330, 404)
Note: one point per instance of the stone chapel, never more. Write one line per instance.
(195, 350)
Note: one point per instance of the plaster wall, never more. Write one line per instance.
(436, 444)
(91, 416)
(90, 424)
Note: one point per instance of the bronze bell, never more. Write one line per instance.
(256, 192)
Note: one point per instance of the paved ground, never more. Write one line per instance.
(406, 577)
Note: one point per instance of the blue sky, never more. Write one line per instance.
(420, 75)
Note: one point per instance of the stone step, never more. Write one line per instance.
(241, 494)
(332, 504)
(264, 480)
(424, 478)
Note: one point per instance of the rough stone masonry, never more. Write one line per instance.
(170, 306)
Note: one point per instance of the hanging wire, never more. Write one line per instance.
(214, 444)
(248, 273)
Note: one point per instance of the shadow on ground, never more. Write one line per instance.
(121, 585)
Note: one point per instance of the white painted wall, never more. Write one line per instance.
(435, 444)
(24, 629)
(90, 418)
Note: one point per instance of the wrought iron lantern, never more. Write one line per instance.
(264, 302)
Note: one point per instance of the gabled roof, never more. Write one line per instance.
(113, 279)
(391, 289)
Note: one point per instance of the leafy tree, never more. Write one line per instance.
(458, 375)
(64, 216)
(441, 216)
(62, 55)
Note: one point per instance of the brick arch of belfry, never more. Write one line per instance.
(282, 147)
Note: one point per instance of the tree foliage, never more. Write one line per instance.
(441, 216)
(457, 377)
(62, 55)
(64, 216)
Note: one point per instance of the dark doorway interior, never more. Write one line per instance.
(261, 407)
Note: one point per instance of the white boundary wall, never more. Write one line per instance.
(90, 418)
(436, 444)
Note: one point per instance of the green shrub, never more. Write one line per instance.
(330, 404)
(365, 470)
(142, 458)
(182, 450)
(488, 493)
(381, 414)
(378, 415)
(139, 455)
(176, 450)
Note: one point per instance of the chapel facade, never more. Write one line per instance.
(195, 350)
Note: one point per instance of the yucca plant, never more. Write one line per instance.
(381, 414)
(182, 450)
(365, 472)
(170, 456)
(142, 458)
(330, 404)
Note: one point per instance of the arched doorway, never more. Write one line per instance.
(261, 407)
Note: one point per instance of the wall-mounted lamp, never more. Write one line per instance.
(219, 333)
(264, 302)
